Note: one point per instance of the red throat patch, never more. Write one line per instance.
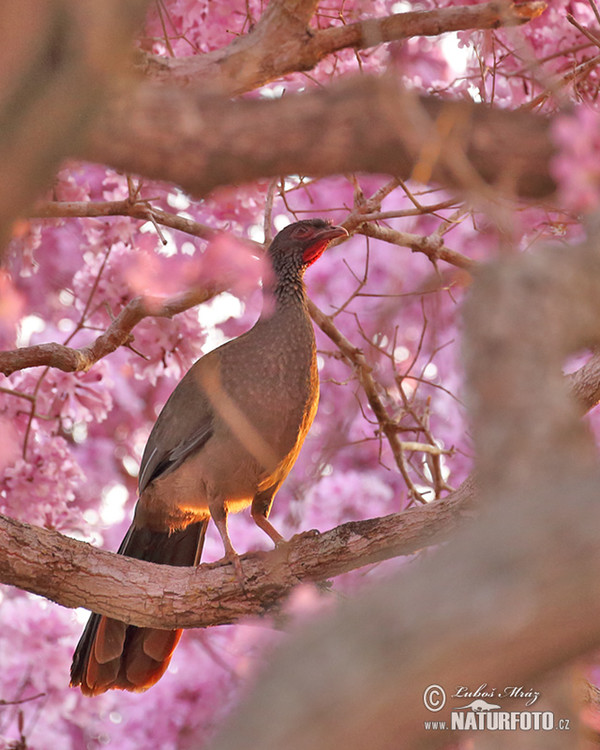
(313, 252)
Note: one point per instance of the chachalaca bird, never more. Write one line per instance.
(226, 438)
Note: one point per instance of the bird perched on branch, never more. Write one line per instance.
(225, 440)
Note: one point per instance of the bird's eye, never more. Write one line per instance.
(303, 231)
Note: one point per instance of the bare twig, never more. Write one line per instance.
(355, 357)
(433, 246)
(21, 700)
(117, 334)
(136, 209)
(586, 32)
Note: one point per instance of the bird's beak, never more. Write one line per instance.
(331, 233)
(319, 242)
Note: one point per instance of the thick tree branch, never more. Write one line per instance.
(254, 60)
(157, 130)
(79, 64)
(361, 124)
(76, 574)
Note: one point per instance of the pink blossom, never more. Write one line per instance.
(42, 488)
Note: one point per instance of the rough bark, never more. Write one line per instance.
(75, 574)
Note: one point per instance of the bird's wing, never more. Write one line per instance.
(184, 425)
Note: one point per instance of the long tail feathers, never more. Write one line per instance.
(111, 654)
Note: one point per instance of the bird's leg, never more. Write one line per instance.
(261, 505)
(219, 516)
(264, 524)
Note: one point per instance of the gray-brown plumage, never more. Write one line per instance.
(225, 440)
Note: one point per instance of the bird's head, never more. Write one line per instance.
(302, 243)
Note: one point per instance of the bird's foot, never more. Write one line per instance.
(231, 555)
(234, 559)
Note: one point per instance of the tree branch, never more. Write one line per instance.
(136, 209)
(117, 334)
(157, 130)
(253, 60)
(356, 359)
(433, 247)
(434, 22)
(75, 574)
(361, 124)
(92, 61)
